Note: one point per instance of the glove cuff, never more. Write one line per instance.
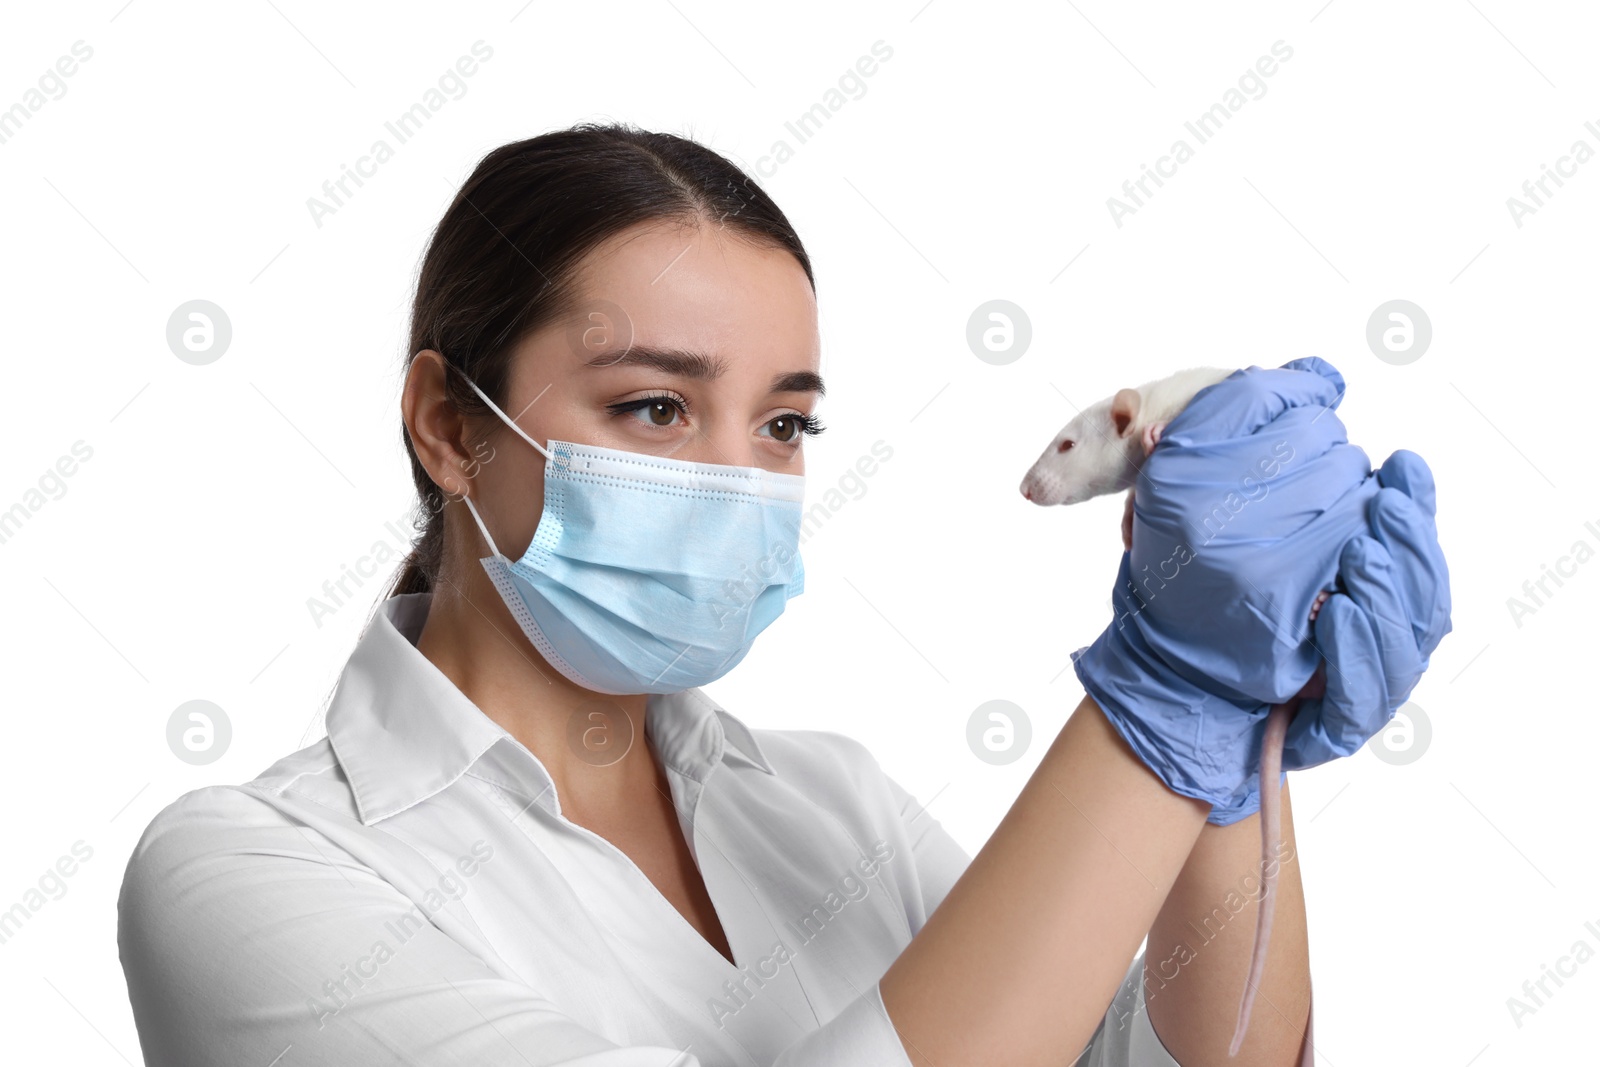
(1197, 726)
(1245, 805)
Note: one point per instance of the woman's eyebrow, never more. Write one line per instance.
(798, 381)
(669, 360)
(699, 365)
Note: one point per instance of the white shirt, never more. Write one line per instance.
(406, 890)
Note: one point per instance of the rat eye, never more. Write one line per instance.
(1064, 446)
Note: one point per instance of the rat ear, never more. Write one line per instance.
(1124, 406)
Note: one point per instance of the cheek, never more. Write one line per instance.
(508, 490)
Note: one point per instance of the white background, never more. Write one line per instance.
(977, 164)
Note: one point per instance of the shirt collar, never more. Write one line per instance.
(402, 731)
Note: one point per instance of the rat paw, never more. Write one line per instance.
(1151, 435)
(1316, 605)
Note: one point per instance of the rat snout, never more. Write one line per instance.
(1028, 487)
(1038, 488)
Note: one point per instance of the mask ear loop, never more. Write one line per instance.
(521, 433)
(482, 528)
(507, 420)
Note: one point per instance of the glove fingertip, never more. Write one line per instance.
(1408, 472)
(1318, 365)
(1356, 691)
(1367, 558)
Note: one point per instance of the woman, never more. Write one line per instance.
(529, 838)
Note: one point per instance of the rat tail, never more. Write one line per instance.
(1271, 829)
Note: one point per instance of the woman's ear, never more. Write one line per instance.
(1124, 407)
(438, 431)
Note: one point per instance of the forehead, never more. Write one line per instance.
(704, 288)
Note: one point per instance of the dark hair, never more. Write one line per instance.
(503, 260)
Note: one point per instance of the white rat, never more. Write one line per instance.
(1101, 450)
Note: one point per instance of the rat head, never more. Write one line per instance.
(1097, 452)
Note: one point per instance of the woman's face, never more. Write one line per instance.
(691, 343)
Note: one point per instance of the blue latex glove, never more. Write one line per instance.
(1391, 612)
(1242, 514)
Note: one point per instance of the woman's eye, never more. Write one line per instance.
(785, 428)
(660, 411)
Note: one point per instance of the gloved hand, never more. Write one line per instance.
(1381, 627)
(1384, 626)
(1242, 513)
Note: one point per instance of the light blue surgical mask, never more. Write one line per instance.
(650, 575)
